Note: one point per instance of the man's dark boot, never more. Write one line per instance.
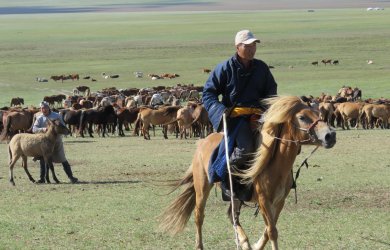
(68, 172)
(42, 171)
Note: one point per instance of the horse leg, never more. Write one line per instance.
(202, 189)
(145, 131)
(51, 166)
(269, 212)
(24, 164)
(47, 171)
(90, 129)
(260, 244)
(242, 238)
(165, 131)
(11, 169)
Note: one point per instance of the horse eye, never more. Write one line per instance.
(301, 117)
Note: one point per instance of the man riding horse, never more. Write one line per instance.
(242, 81)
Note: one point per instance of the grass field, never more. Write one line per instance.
(121, 194)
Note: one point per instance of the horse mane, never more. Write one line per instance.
(168, 110)
(281, 111)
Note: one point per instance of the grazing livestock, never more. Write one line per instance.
(57, 78)
(349, 112)
(270, 173)
(126, 116)
(74, 77)
(315, 63)
(162, 116)
(41, 79)
(105, 76)
(98, 116)
(206, 71)
(365, 116)
(326, 112)
(156, 100)
(15, 121)
(35, 145)
(335, 62)
(138, 74)
(86, 77)
(72, 119)
(185, 119)
(326, 61)
(85, 90)
(17, 101)
(370, 61)
(201, 121)
(382, 112)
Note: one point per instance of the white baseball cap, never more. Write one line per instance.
(245, 37)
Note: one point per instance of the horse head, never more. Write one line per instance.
(303, 123)
(58, 127)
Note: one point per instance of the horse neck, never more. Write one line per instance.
(51, 134)
(285, 149)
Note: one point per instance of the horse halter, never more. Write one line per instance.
(310, 130)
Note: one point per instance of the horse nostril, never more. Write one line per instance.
(330, 137)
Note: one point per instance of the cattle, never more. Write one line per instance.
(335, 62)
(314, 63)
(206, 71)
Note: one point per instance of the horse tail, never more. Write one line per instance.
(177, 214)
(137, 125)
(6, 130)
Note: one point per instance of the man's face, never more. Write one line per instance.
(45, 110)
(246, 51)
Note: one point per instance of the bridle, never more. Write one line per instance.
(309, 130)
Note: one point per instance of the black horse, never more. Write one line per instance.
(71, 118)
(100, 116)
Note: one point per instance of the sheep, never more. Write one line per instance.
(35, 145)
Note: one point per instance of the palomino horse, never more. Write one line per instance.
(289, 123)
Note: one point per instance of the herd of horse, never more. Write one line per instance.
(289, 123)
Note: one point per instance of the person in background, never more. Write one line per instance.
(40, 126)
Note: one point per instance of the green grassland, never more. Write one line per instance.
(42, 45)
(343, 198)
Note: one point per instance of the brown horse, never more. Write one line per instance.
(162, 116)
(15, 121)
(289, 123)
(349, 112)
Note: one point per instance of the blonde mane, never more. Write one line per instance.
(281, 111)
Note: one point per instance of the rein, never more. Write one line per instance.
(312, 138)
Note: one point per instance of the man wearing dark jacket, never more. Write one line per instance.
(242, 81)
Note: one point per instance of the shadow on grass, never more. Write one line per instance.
(102, 182)
(68, 142)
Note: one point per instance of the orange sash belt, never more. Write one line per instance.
(238, 111)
